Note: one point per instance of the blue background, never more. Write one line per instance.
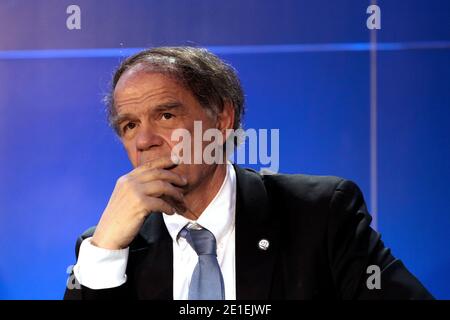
(305, 67)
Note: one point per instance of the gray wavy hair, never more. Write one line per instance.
(212, 81)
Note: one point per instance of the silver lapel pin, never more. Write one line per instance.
(263, 244)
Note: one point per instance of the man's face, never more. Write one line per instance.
(150, 106)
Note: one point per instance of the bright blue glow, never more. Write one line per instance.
(225, 50)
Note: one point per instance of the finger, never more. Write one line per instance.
(168, 192)
(161, 174)
(159, 163)
(161, 188)
(156, 204)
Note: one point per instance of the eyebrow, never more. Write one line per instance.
(120, 118)
(168, 106)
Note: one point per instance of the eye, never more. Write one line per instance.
(167, 116)
(129, 126)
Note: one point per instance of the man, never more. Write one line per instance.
(177, 230)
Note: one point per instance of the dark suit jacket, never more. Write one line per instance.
(320, 245)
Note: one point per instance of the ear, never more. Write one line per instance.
(225, 119)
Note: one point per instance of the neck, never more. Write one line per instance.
(199, 198)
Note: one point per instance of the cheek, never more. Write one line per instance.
(167, 137)
(133, 155)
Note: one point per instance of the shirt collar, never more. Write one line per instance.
(218, 217)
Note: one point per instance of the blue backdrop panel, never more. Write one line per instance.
(414, 99)
(56, 170)
(107, 23)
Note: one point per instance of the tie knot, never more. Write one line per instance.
(201, 240)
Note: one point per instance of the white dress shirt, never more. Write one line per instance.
(99, 268)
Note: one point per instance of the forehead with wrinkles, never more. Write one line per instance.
(138, 85)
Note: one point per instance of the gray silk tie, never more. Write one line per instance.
(207, 280)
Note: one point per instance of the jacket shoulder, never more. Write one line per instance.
(302, 187)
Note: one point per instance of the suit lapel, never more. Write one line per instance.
(153, 260)
(254, 224)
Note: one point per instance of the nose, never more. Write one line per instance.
(147, 139)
